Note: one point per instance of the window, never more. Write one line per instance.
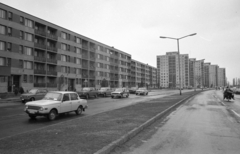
(28, 23)
(63, 58)
(73, 96)
(2, 45)
(78, 61)
(28, 37)
(21, 49)
(2, 61)
(21, 35)
(21, 20)
(9, 31)
(28, 51)
(2, 29)
(9, 15)
(63, 46)
(64, 35)
(27, 65)
(24, 78)
(2, 14)
(64, 69)
(78, 40)
(66, 97)
(78, 50)
(9, 46)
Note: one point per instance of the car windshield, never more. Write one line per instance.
(86, 89)
(53, 96)
(141, 88)
(103, 89)
(33, 91)
(119, 89)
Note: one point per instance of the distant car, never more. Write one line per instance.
(54, 103)
(133, 90)
(88, 92)
(120, 92)
(142, 91)
(105, 91)
(33, 94)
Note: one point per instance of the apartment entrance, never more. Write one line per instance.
(13, 82)
(71, 86)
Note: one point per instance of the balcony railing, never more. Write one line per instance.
(92, 67)
(52, 73)
(84, 76)
(39, 72)
(52, 60)
(92, 76)
(52, 36)
(85, 56)
(92, 57)
(41, 59)
(40, 32)
(40, 45)
(84, 66)
(85, 46)
(52, 48)
(52, 85)
(92, 49)
(39, 85)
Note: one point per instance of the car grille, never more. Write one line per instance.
(34, 107)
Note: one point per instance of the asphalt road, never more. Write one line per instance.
(14, 121)
(201, 125)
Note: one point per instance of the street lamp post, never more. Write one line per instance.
(163, 37)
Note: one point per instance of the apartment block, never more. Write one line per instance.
(35, 53)
(168, 70)
(143, 75)
(221, 77)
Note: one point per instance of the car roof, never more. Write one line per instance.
(63, 92)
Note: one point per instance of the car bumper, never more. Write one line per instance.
(36, 112)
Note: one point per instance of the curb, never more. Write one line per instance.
(107, 149)
(235, 114)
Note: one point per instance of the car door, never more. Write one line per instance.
(66, 104)
(38, 94)
(75, 101)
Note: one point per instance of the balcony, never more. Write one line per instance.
(85, 56)
(39, 85)
(84, 46)
(92, 76)
(52, 48)
(84, 76)
(40, 59)
(52, 36)
(43, 72)
(42, 46)
(52, 73)
(92, 67)
(40, 32)
(52, 85)
(85, 66)
(54, 61)
(92, 58)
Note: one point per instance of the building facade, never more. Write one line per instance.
(221, 77)
(168, 70)
(35, 53)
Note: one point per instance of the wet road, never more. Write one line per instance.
(14, 121)
(201, 125)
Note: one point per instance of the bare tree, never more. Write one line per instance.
(198, 80)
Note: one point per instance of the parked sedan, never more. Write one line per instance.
(133, 90)
(105, 91)
(33, 94)
(120, 92)
(142, 91)
(54, 103)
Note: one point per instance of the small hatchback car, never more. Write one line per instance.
(54, 103)
(120, 92)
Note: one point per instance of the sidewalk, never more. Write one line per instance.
(10, 97)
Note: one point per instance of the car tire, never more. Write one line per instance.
(23, 101)
(32, 116)
(136, 94)
(127, 95)
(79, 110)
(52, 115)
(32, 99)
(112, 96)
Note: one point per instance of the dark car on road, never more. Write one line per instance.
(105, 91)
(88, 92)
(133, 90)
(33, 94)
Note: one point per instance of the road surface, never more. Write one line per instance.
(201, 125)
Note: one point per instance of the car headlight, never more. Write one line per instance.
(41, 109)
(26, 107)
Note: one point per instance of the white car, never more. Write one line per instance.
(54, 103)
(142, 91)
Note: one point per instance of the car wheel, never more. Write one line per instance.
(32, 116)
(79, 110)
(112, 96)
(127, 95)
(23, 101)
(52, 115)
(136, 94)
(32, 99)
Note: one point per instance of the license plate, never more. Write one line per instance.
(32, 111)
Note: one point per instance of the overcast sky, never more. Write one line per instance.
(134, 26)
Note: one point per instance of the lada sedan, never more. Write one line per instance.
(120, 92)
(142, 91)
(54, 103)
